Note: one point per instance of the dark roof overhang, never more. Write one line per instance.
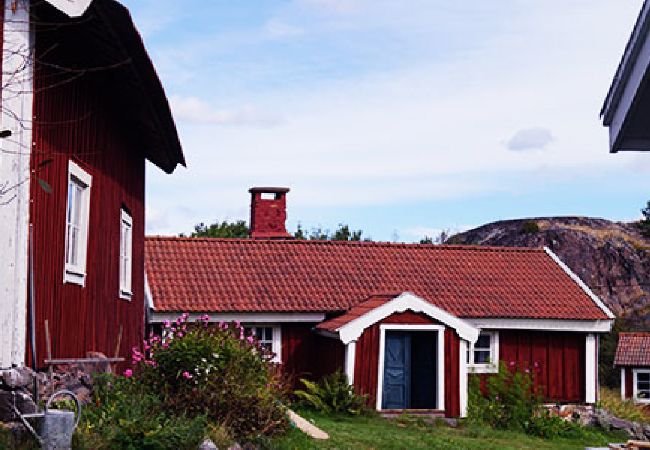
(105, 43)
(626, 110)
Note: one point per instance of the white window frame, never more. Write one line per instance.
(126, 253)
(276, 341)
(635, 373)
(76, 273)
(493, 365)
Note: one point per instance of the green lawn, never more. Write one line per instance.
(373, 432)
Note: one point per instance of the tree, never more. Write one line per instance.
(644, 224)
(342, 233)
(442, 238)
(225, 229)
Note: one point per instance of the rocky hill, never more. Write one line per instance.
(612, 258)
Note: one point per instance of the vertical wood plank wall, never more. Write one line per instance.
(556, 361)
(306, 354)
(74, 120)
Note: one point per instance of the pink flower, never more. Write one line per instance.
(180, 334)
(237, 324)
(527, 370)
(536, 364)
(187, 375)
(167, 324)
(128, 373)
(250, 339)
(512, 364)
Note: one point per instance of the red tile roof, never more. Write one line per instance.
(232, 275)
(633, 349)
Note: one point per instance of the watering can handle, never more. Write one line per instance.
(69, 394)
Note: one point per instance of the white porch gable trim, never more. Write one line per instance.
(71, 8)
(406, 301)
(580, 283)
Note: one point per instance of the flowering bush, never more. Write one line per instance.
(214, 370)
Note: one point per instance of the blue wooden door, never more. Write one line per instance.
(397, 371)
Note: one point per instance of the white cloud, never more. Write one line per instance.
(535, 138)
(276, 28)
(195, 110)
(424, 130)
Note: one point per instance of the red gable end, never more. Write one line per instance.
(230, 275)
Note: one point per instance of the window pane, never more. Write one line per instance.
(483, 341)
(481, 356)
(643, 386)
(643, 376)
(267, 333)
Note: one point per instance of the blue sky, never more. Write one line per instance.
(399, 118)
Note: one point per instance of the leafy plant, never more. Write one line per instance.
(217, 371)
(124, 415)
(332, 394)
(644, 224)
(547, 426)
(509, 401)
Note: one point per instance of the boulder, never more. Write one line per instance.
(22, 400)
(17, 378)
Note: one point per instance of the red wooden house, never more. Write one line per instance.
(83, 108)
(633, 357)
(408, 323)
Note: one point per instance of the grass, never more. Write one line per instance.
(610, 399)
(374, 432)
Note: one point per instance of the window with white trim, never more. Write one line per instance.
(641, 385)
(126, 262)
(77, 218)
(269, 337)
(483, 356)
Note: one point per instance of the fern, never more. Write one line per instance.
(333, 394)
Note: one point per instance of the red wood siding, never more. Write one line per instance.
(452, 370)
(366, 363)
(306, 354)
(74, 120)
(556, 361)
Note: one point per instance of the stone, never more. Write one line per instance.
(307, 427)
(235, 446)
(208, 445)
(21, 400)
(17, 378)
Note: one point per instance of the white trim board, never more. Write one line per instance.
(580, 283)
(406, 301)
(158, 317)
(17, 101)
(591, 368)
(585, 326)
(623, 383)
(440, 364)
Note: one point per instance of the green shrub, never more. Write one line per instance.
(547, 426)
(202, 369)
(610, 399)
(529, 227)
(124, 415)
(509, 401)
(333, 394)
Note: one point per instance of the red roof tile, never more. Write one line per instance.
(231, 275)
(633, 349)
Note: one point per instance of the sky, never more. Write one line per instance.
(398, 118)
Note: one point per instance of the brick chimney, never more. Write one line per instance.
(268, 213)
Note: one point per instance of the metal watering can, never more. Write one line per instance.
(56, 425)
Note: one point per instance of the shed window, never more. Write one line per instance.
(483, 356)
(126, 245)
(270, 338)
(77, 218)
(642, 385)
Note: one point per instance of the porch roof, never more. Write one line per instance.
(349, 326)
